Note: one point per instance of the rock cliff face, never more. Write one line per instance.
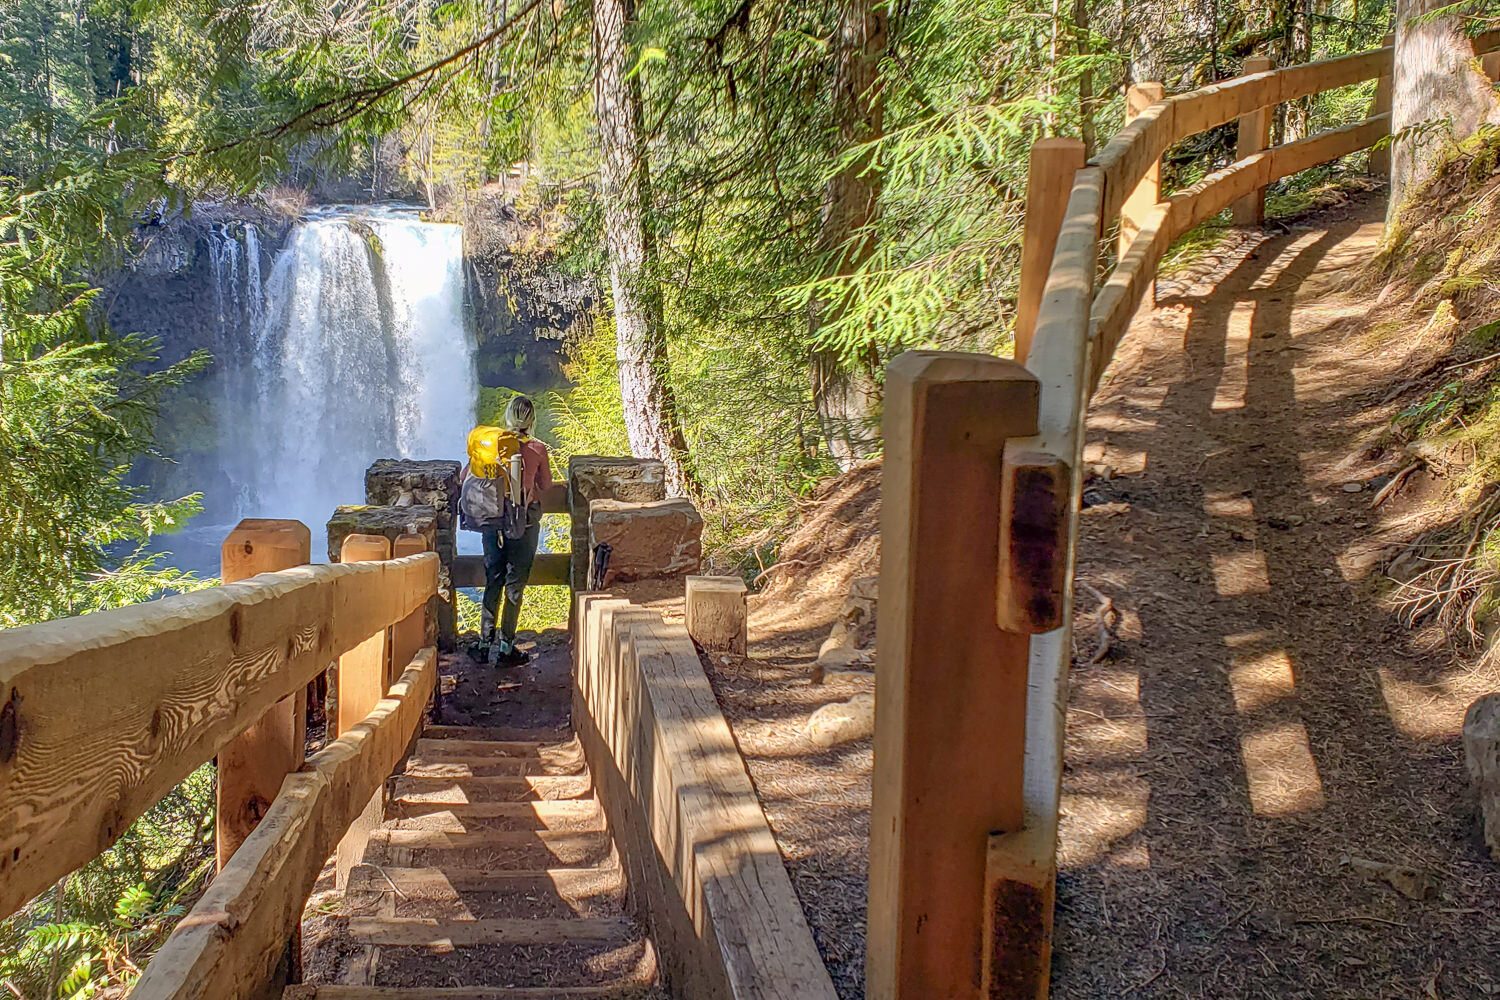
(524, 306)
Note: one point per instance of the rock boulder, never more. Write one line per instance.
(658, 538)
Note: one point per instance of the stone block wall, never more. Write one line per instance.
(598, 477)
(392, 482)
(394, 523)
(651, 540)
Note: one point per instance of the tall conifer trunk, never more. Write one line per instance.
(847, 394)
(1437, 81)
(640, 346)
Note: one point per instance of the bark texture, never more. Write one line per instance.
(847, 394)
(640, 347)
(1437, 89)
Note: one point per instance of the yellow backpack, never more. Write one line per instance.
(491, 450)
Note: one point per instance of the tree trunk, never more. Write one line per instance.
(1437, 89)
(640, 346)
(847, 394)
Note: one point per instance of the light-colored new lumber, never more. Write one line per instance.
(950, 685)
(1134, 152)
(1049, 179)
(1127, 286)
(1214, 192)
(1211, 106)
(1143, 198)
(684, 812)
(434, 747)
(115, 708)
(1062, 366)
(499, 734)
(227, 947)
(410, 633)
(578, 841)
(1380, 159)
(1255, 135)
(364, 674)
(426, 932)
(1311, 78)
(252, 766)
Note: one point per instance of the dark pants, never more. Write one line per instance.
(507, 566)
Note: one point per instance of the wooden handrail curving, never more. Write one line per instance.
(1078, 328)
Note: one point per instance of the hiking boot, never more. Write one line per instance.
(515, 658)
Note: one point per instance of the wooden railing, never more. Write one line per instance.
(105, 713)
(975, 610)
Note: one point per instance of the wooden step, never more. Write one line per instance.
(458, 817)
(496, 734)
(614, 991)
(570, 883)
(456, 747)
(469, 767)
(421, 932)
(504, 788)
(486, 848)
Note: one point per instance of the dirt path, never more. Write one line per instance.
(1263, 737)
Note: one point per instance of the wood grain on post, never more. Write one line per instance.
(1147, 193)
(362, 683)
(1048, 183)
(950, 684)
(253, 765)
(1255, 135)
(1380, 159)
(716, 614)
(409, 634)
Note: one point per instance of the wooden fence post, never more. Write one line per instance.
(1049, 180)
(1380, 159)
(362, 683)
(1255, 135)
(950, 685)
(252, 767)
(409, 635)
(1148, 192)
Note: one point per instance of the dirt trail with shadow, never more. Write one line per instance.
(1264, 792)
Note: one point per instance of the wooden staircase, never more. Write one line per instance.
(493, 877)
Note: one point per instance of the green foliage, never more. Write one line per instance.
(76, 408)
(587, 418)
(96, 928)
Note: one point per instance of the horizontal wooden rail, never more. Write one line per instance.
(227, 948)
(549, 570)
(554, 499)
(105, 713)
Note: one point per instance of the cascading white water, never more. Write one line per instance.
(357, 350)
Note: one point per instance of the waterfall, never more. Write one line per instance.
(354, 349)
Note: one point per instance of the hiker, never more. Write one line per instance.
(501, 498)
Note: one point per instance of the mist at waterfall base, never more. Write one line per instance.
(354, 348)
